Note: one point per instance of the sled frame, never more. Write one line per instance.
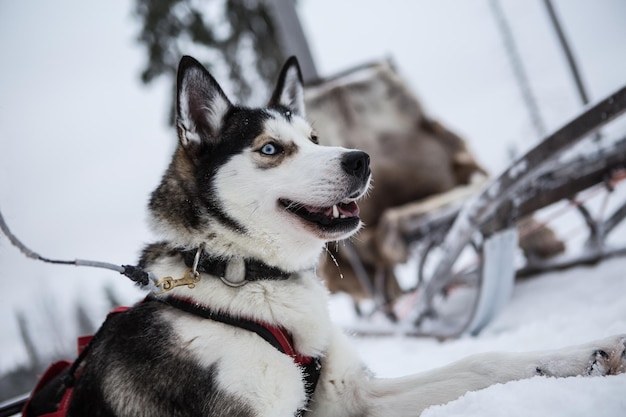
(539, 178)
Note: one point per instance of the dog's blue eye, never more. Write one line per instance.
(270, 149)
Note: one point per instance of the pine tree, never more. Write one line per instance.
(235, 34)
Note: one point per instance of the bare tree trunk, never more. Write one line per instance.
(292, 38)
(573, 66)
(31, 350)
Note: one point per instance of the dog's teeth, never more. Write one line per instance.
(342, 217)
(335, 212)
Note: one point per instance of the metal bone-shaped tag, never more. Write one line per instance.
(189, 279)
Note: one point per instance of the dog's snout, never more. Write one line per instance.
(356, 163)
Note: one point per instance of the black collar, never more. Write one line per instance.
(235, 271)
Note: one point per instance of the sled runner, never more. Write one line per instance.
(463, 240)
(540, 178)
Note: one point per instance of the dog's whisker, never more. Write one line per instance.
(334, 259)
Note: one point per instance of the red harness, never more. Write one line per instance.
(284, 338)
(54, 389)
(277, 336)
(56, 385)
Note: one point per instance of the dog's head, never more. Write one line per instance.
(255, 182)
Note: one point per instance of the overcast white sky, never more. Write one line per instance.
(83, 143)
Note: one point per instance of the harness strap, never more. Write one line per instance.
(189, 307)
(276, 336)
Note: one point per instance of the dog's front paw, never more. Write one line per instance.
(602, 357)
(610, 360)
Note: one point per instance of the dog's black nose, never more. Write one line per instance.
(356, 163)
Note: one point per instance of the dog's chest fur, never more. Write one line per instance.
(299, 304)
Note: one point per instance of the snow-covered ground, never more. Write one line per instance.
(548, 312)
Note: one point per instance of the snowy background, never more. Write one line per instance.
(82, 144)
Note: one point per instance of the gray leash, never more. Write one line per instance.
(137, 275)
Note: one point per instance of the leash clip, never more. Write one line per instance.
(189, 279)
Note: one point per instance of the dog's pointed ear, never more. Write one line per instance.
(200, 103)
(289, 90)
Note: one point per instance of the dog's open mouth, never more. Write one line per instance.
(340, 216)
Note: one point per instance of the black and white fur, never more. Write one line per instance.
(253, 184)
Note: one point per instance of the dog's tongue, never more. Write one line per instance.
(349, 210)
(338, 210)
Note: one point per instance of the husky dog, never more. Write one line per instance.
(244, 211)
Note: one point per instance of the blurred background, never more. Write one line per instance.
(86, 104)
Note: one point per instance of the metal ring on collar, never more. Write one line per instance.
(235, 274)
